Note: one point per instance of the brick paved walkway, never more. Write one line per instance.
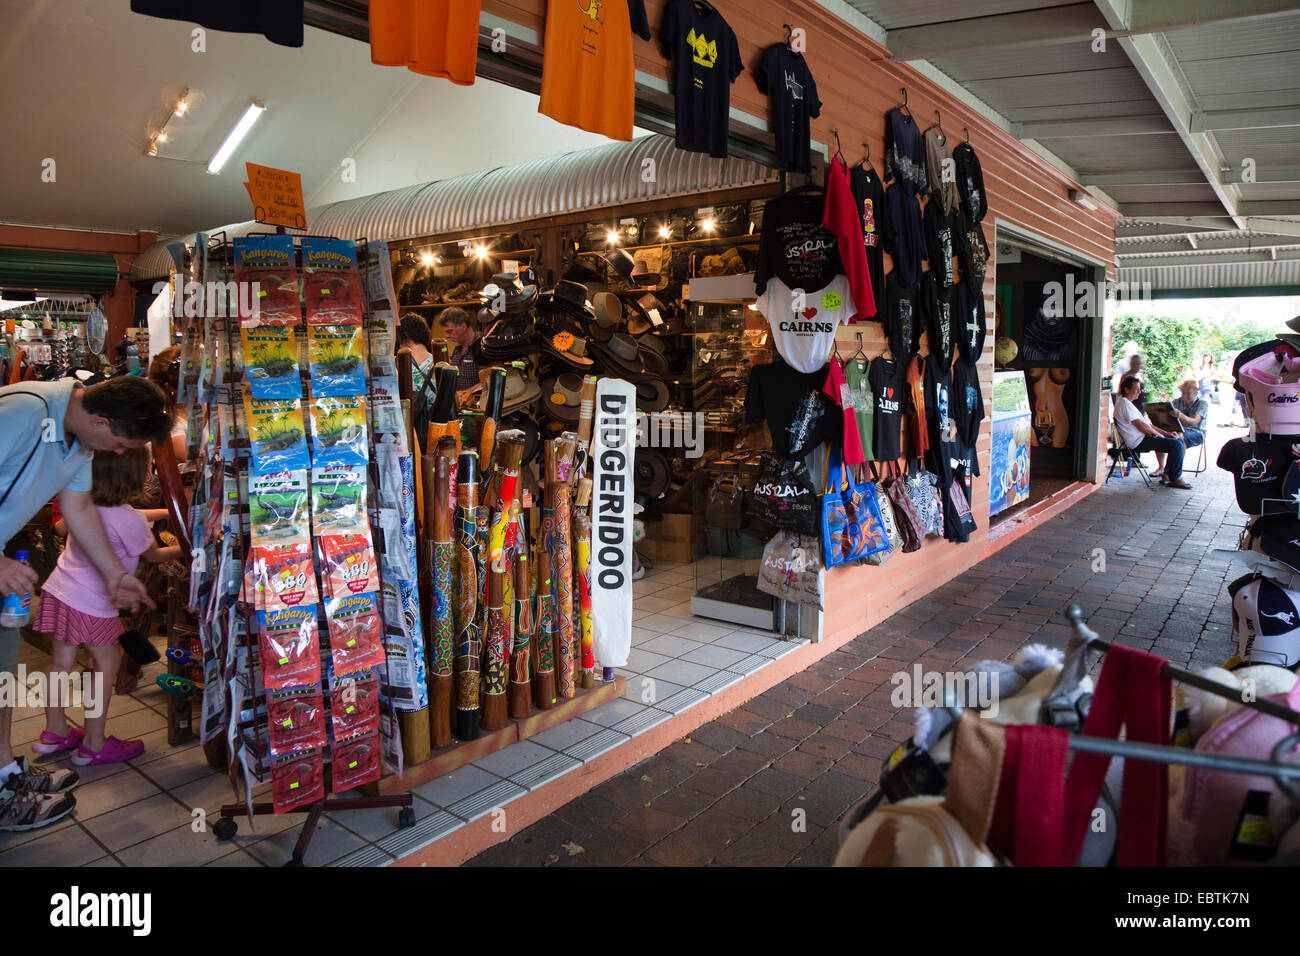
(726, 794)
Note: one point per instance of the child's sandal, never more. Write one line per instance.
(113, 751)
(49, 743)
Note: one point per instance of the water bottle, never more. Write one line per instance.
(17, 608)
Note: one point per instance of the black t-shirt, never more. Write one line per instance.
(783, 75)
(970, 182)
(794, 245)
(945, 443)
(280, 22)
(943, 232)
(907, 234)
(877, 233)
(904, 318)
(1258, 470)
(940, 313)
(968, 407)
(888, 379)
(707, 63)
(904, 153)
(775, 392)
(969, 322)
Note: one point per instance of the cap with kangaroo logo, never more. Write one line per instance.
(1267, 617)
(1261, 473)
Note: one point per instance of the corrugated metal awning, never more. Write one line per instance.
(160, 260)
(604, 177)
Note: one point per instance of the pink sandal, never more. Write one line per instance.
(49, 743)
(113, 751)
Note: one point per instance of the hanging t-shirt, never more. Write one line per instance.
(920, 426)
(432, 37)
(969, 322)
(857, 377)
(837, 390)
(968, 410)
(973, 254)
(784, 77)
(908, 234)
(775, 393)
(970, 182)
(939, 314)
(707, 63)
(794, 246)
(958, 514)
(869, 195)
(804, 323)
(944, 441)
(279, 22)
(588, 77)
(941, 170)
(904, 155)
(943, 234)
(889, 385)
(904, 319)
(841, 217)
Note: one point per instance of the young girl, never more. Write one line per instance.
(77, 607)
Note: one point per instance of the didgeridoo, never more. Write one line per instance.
(582, 567)
(520, 687)
(495, 398)
(587, 410)
(544, 652)
(496, 650)
(444, 422)
(470, 561)
(559, 462)
(443, 646)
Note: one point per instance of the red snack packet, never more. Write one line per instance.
(295, 720)
(349, 565)
(354, 762)
(297, 780)
(356, 633)
(331, 284)
(289, 647)
(285, 575)
(354, 707)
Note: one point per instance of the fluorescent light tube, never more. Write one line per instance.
(236, 136)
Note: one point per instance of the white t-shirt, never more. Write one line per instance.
(1126, 414)
(1120, 370)
(803, 325)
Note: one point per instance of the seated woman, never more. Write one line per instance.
(1140, 435)
(1191, 411)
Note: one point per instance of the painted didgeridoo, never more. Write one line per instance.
(443, 646)
(582, 571)
(544, 651)
(496, 650)
(469, 559)
(520, 687)
(559, 462)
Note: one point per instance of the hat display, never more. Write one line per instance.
(608, 308)
(648, 314)
(653, 356)
(651, 472)
(641, 274)
(520, 391)
(620, 355)
(565, 346)
(652, 394)
(507, 293)
(507, 340)
(621, 262)
(562, 397)
(566, 298)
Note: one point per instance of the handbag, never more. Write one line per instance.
(923, 489)
(726, 508)
(910, 524)
(783, 496)
(810, 424)
(790, 569)
(851, 525)
(890, 523)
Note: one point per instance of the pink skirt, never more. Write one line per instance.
(75, 627)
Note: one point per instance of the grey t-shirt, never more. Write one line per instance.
(53, 466)
(1197, 406)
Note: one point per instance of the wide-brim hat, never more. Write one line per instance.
(562, 397)
(648, 314)
(506, 293)
(566, 298)
(621, 262)
(563, 345)
(507, 340)
(580, 271)
(532, 434)
(652, 394)
(620, 355)
(520, 391)
(653, 355)
(607, 307)
(641, 274)
(651, 472)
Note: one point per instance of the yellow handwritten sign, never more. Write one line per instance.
(276, 195)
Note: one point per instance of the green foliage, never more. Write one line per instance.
(1168, 344)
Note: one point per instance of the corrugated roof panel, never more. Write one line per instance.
(895, 14)
(1243, 38)
(1234, 275)
(160, 259)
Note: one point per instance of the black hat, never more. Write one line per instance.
(566, 298)
(562, 397)
(582, 272)
(532, 434)
(653, 355)
(649, 314)
(651, 472)
(621, 262)
(652, 394)
(507, 340)
(620, 355)
(506, 293)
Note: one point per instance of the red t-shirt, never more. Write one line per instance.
(837, 389)
(843, 218)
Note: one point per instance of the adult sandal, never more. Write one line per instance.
(113, 751)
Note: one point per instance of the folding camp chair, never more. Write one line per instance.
(1120, 451)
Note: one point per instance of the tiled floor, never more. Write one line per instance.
(146, 814)
(768, 783)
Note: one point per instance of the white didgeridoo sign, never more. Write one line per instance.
(613, 452)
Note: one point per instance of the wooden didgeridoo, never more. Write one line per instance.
(469, 560)
(582, 571)
(587, 410)
(443, 646)
(520, 688)
(498, 642)
(495, 399)
(559, 461)
(444, 422)
(544, 651)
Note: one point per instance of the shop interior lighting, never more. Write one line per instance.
(707, 225)
(251, 116)
(428, 259)
(160, 134)
(612, 238)
(481, 252)
(665, 232)
(1081, 198)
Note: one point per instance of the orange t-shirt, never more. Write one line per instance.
(433, 37)
(588, 77)
(920, 432)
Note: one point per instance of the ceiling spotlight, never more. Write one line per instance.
(161, 137)
(481, 252)
(665, 232)
(427, 259)
(707, 225)
(181, 107)
(612, 238)
(633, 230)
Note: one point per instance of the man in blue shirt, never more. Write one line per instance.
(51, 431)
(1191, 413)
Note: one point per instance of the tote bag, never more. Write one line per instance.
(851, 525)
(910, 524)
(893, 536)
(784, 496)
(791, 570)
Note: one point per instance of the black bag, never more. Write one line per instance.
(811, 425)
(784, 496)
(421, 405)
(726, 506)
